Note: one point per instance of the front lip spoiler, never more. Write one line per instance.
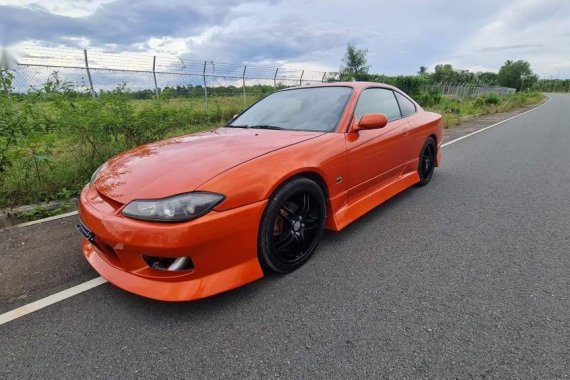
(180, 290)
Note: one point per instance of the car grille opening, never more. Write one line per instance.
(169, 263)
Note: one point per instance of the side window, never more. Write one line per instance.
(377, 100)
(408, 108)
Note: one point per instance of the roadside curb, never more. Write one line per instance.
(26, 224)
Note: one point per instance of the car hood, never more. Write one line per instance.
(181, 164)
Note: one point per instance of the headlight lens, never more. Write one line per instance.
(95, 174)
(173, 209)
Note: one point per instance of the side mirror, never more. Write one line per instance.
(371, 121)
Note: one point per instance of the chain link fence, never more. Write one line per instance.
(147, 76)
(153, 76)
(467, 90)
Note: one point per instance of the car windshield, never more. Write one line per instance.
(303, 109)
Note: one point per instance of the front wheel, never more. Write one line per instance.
(426, 165)
(291, 226)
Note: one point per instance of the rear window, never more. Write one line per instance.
(408, 108)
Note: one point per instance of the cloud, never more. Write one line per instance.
(511, 47)
(121, 22)
(71, 8)
(528, 29)
(399, 36)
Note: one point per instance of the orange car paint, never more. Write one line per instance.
(357, 169)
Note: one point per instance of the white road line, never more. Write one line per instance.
(50, 300)
(494, 125)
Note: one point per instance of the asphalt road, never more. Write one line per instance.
(467, 277)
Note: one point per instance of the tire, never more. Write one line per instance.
(426, 166)
(291, 226)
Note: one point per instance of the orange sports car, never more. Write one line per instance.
(197, 215)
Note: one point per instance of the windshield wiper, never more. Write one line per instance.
(263, 126)
(259, 126)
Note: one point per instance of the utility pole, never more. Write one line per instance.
(523, 77)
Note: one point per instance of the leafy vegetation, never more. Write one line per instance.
(513, 74)
(354, 64)
(517, 75)
(453, 110)
(53, 138)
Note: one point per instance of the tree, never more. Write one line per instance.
(516, 75)
(355, 65)
(444, 73)
(487, 77)
(423, 70)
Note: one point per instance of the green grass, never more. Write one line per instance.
(52, 140)
(454, 110)
(50, 145)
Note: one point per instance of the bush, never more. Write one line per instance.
(53, 137)
(429, 98)
(451, 106)
(492, 99)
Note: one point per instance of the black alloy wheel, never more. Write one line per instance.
(426, 165)
(292, 225)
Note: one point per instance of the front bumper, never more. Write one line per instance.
(221, 245)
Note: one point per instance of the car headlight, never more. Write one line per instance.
(173, 209)
(95, 174)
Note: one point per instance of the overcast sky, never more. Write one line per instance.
(399, 35)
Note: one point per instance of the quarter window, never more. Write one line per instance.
(377, 100)
(408, 108)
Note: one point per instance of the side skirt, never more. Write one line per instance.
(367, 202)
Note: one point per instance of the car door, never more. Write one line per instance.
(416, 135)
(377, 156)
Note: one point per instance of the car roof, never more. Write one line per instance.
(354, 85)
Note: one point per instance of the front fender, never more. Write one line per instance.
(257, 179)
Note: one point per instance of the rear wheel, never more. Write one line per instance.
(291, 226)
(426, 165)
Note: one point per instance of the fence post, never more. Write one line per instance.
(243, 85)
(275, 79)
(301, 78)
(89, 73)
(154, 75)
(205, 88)
(4, 67)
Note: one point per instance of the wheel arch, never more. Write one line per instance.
(314, 176)
(437, 147)
(434, 138)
